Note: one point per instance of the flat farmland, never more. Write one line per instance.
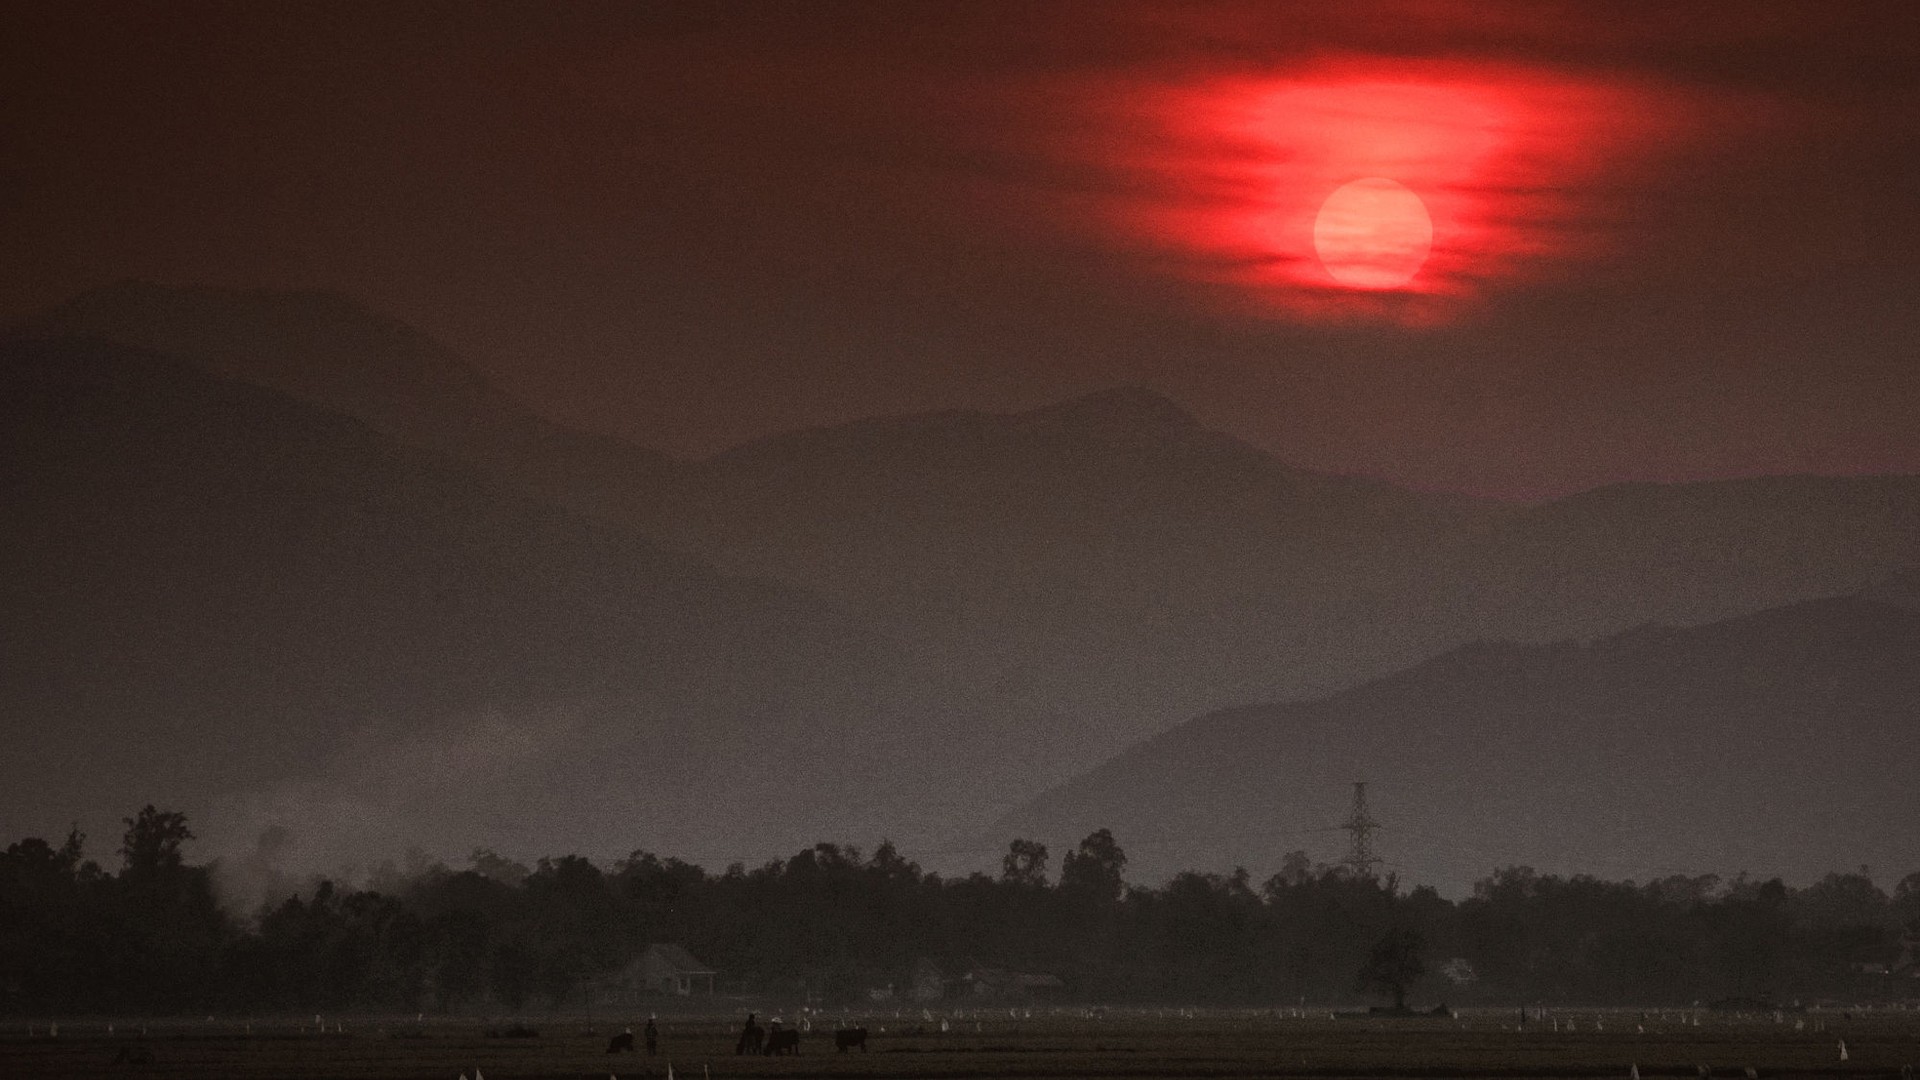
(976, 1043)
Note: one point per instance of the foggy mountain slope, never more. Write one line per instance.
(209, 588)
(1626, 554)
(1109, 553)
(1652, 751)
(328, 351)
(1113, 556)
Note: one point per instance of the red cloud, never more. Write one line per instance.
(1522, 170)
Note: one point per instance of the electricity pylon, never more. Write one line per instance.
(1360, 855)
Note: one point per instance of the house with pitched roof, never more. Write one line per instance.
(664, 970)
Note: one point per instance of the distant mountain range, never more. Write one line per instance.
(322, 349)
(1112, 558)
(327, 522)
(219, 598)
(1778, 743)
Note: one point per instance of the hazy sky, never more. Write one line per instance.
(1668, 241)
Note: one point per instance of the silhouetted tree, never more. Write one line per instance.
(164, 945)
(1295, 869)
(1095, 869)
(1024, 864)
(152, 843)
(494, 866)
(1393, 964)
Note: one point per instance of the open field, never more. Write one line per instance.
(989, 1044)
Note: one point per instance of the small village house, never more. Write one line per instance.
(665, 970)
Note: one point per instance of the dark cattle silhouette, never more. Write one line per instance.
(847, 1038)
(783, 1042)
(620, 1042)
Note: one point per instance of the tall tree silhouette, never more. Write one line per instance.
(1095, 869)
(1025, 863)
(1393, 964)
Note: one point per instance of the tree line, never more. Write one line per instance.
(836, 925)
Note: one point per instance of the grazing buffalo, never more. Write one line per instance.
(783, 1042)
(621, 1042)
(848, 1038)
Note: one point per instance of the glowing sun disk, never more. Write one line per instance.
(1373, 234)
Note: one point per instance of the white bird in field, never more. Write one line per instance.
(1753, 1073)
(1843, 1049)
(1634, 1072)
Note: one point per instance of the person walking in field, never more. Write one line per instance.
(652, 1035)
(751, 1038)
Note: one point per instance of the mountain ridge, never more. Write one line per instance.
(1582, 750)
(223, 598)
(328, 350)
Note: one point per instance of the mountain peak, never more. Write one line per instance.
(241, 332)
(1135, 404)
(1121, 414)
(327, 349)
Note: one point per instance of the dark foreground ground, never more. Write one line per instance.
(990, 1043)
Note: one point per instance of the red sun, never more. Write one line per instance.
(1373, 234)
(1373, 187)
